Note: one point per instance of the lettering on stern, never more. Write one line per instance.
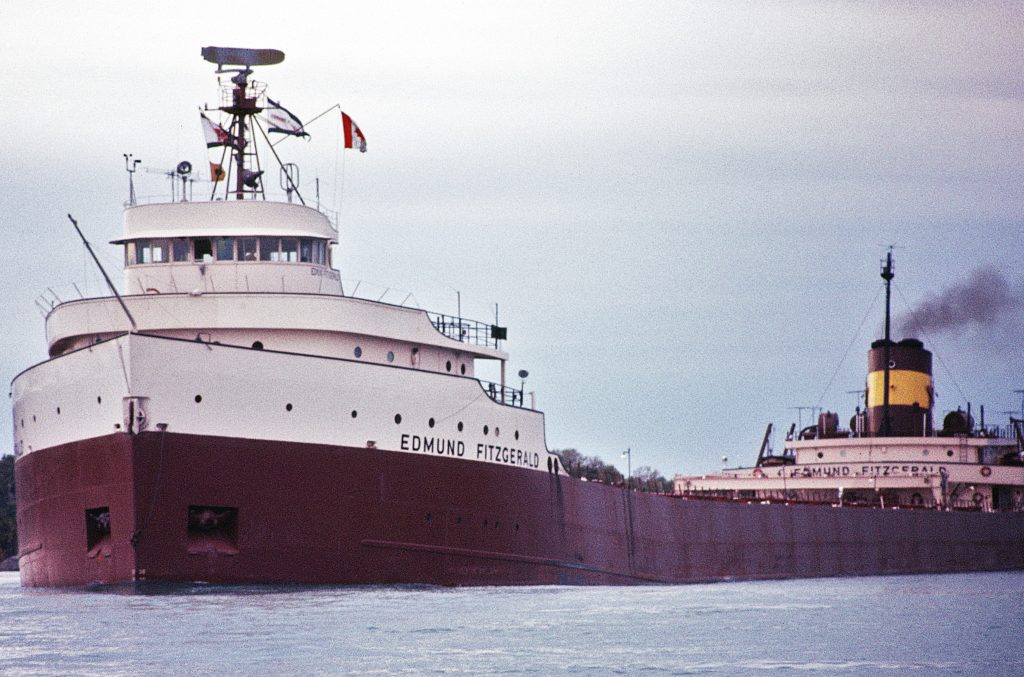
(872, 470)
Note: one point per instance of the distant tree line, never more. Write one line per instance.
(8, 526)
(593, 469)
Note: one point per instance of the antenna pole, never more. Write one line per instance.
(887, 274)
(241, 82)
(104, 272)
(130, 165)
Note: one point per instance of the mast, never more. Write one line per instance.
(242, 107)
(888, 273)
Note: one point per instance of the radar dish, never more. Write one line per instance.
(240, 56)
(184, 167)
(523, 373)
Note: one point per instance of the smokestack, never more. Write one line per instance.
(910, 388)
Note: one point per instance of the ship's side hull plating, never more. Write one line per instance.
(188, 507)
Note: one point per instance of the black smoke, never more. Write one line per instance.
(984, 301)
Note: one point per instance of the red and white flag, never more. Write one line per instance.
(215, 134)
(353, 136)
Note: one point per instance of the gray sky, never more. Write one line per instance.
(679, 207)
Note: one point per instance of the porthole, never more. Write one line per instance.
(33, 418)
(257, 345)
(496, 431)
(358, 352)
(820, 455)
(462, 369)
(23, 423)
(354, 413)
(448, 365)
(198, 398)
(486, 429)
(288, 407)
(924, 453)
(517, 435)
(99, 400)
(430, 423)
(949, 452)
(58, 411)
(391, 356)
(398, 418)
(460, 426)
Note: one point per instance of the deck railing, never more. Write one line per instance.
(503, 394)
(467, 331)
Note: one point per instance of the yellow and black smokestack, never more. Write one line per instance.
(899, 388)
(910, 389)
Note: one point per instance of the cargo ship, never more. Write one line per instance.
(235, 416)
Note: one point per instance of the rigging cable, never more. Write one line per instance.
(849, 347)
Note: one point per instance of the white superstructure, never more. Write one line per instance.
(234, 323)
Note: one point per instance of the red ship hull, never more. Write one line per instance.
(191, 508)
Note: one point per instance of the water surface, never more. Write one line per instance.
(966, 624)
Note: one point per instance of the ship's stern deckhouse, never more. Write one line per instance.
(228, 246)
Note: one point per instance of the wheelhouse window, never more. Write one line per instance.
(269, 249)
(207, 250)
(246, 249)
(202, 249)
(147, 251)
(158, 251)
(320, 252)
(289, 249)
(179, 250)
(225, 248)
